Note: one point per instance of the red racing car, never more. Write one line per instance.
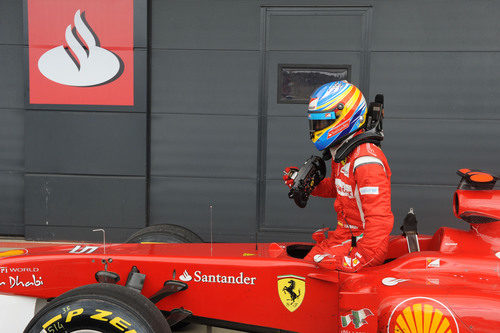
(445, 283)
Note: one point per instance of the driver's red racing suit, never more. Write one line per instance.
(361, 185)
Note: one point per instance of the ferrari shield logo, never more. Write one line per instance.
(291, 289)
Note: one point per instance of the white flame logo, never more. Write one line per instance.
(390, 281)
(185, 277)
(92, 66)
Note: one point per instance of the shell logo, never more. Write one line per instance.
(422, 315)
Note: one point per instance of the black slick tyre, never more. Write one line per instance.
(164, 233)
(99, 308)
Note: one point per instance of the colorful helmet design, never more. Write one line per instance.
(336, 110)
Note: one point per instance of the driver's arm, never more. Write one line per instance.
(325, 189)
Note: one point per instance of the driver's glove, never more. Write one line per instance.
(319, 235)
(289, 175)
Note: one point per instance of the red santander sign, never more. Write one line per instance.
(81, 52)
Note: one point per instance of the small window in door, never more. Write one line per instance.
(297, 82)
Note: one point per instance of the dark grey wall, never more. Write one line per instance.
(218, 136)
(438, 65)
(84, 169)
(11, 118)
(205, 115)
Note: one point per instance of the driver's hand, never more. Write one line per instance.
(289, 175)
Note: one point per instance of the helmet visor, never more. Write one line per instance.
(318, 125)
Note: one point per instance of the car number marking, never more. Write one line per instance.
(83, 250)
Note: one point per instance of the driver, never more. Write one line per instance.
(360, 181)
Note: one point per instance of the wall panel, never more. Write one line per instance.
(204, 146)
(447, 85)
(305, 29)
(85, 201)
(186, 201)
(11, 140)
(198, 24)
(11, 24)
(429, 151)
(428, 25)
(86, 143)
(12, 78)
(205, 82)
(66, 233)
(11, 203)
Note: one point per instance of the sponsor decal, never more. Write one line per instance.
(356, 317)
(19, 270)
(430, 281)
(320, 257)
(337, 129)
(391, 281)
(12, 253)
(347, 262)
(200, 277)
(313, 104)
(16, 281)
(422, 314)
(81, 52)
(432, 263)
(291, 290)
(343, 189)
(345, 169)
(368, 190)
(248, 254)
(334, 88)
(351, 262)
(185, 277)
(369, 147)
(83, 250)
(347, 225)
(83, 63)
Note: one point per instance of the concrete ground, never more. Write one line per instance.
(9, 243)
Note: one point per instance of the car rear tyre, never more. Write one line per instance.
(164, 233)
(99, 308)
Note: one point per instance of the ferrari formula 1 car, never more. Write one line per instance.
(445, 283)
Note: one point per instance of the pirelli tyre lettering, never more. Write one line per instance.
(98, 314)
(99, 308)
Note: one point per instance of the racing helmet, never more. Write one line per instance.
(336, 110)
